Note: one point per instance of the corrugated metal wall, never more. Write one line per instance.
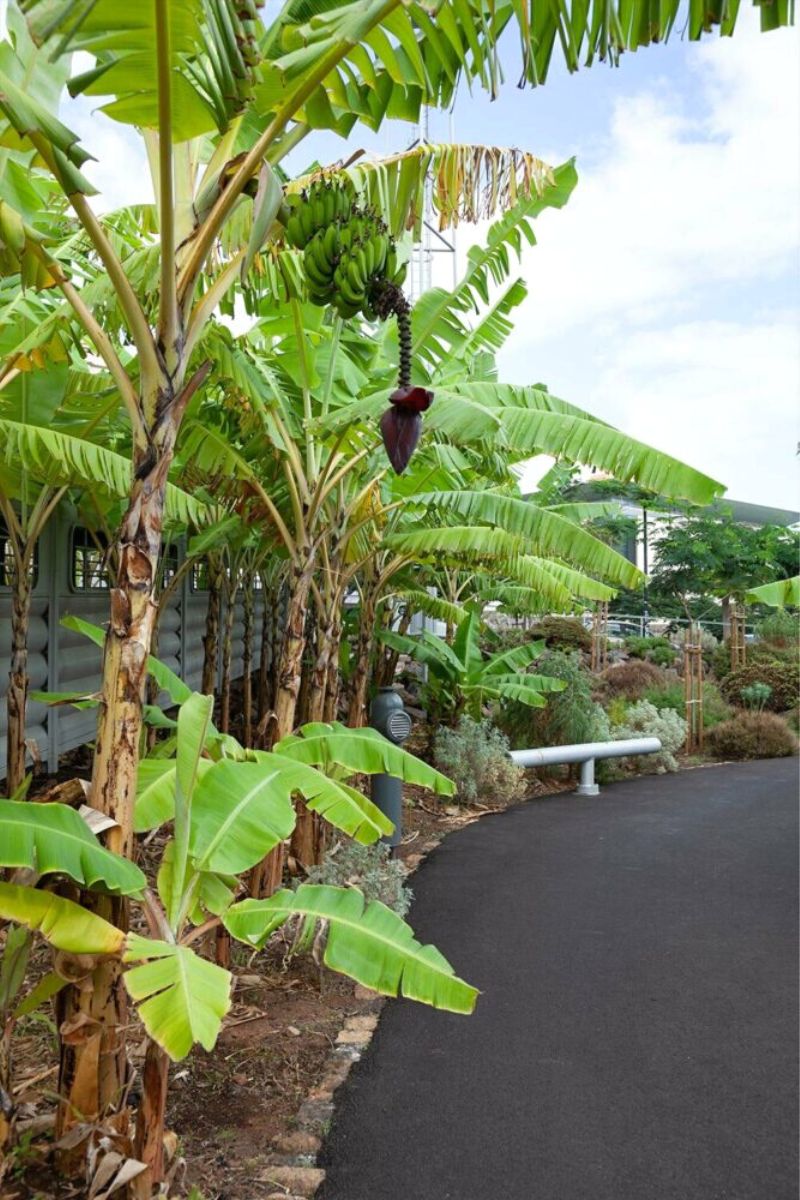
(62, 661)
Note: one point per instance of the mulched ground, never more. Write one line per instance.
(227, 1107)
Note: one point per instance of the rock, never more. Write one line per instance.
(301, 1181)
(354, 1037)
(298, 1142)
(364, 993)
(314, 1114)
(347, 1051)
(367, 1021)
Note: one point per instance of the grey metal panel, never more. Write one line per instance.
(61, 660)
(193, 628)
(36, 714)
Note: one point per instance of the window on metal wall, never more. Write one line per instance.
(200, 576)
(89, 573)
(7, 560)
(169, 565)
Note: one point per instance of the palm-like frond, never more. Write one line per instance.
(390, 60)
(366, 941)
(780, 594)
(546, 532)
(438, 325)
(213, 49)
(60, 460)
(469, 183)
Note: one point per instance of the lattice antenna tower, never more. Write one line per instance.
(420, 269)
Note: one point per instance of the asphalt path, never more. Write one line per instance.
(636, 1036)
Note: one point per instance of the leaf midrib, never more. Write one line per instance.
(65, 834)
(370, 934)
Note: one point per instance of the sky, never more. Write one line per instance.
(665, 297)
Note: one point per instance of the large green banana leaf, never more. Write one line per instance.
(485, 543)
(166, 678)
(180, 997)
(211, 47)
(592, 444)
(54, 839)
(194, 726)
(377, 59)
(433, 606)
(332, 64)
(61, 460)
(362, 751)
(366, 941)
(62, 923)
(779, 594)
(525, 689)
(341, 806)
(240, 812)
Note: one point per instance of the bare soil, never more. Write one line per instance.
(227, 1108)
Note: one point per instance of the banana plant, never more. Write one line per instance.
(220, 101)
(462, 680)
(228, 807)
(780, 594)
(49, 422)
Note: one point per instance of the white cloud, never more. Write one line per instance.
(659, 296)
(680, 199)
(718, 395)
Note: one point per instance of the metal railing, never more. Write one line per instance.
(586, 753)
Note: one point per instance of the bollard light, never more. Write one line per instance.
(388, 715)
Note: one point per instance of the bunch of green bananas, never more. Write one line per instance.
(324, 203)
(348, 253)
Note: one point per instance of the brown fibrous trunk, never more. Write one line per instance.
(17, 697)
(247, 661)
(227, 660)
(357, 709)
(211, 637)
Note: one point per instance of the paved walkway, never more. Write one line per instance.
(636, 1036)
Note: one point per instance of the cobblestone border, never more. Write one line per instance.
(292, 1164)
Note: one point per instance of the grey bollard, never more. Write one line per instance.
(387, 714)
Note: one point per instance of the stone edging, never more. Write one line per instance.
(292, 1164)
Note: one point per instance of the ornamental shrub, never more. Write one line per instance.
(563, 633)
(631, 680)
(708, 643)
(715, 709)
(755, 696)
(752, 735)
(771, 652)
(662, 656)
(721, 660)
(782, 677)
(642, 647)
(643, 719)
(475, 756)
(780, 629)
(370, 869)
(570, 716)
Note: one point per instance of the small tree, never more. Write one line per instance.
(707, 557)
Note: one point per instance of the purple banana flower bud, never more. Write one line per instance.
(401, 424)
(400, 430)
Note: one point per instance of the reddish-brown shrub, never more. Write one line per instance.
(782, 677)
(631, 679)
(563, 633)
(751, 735)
